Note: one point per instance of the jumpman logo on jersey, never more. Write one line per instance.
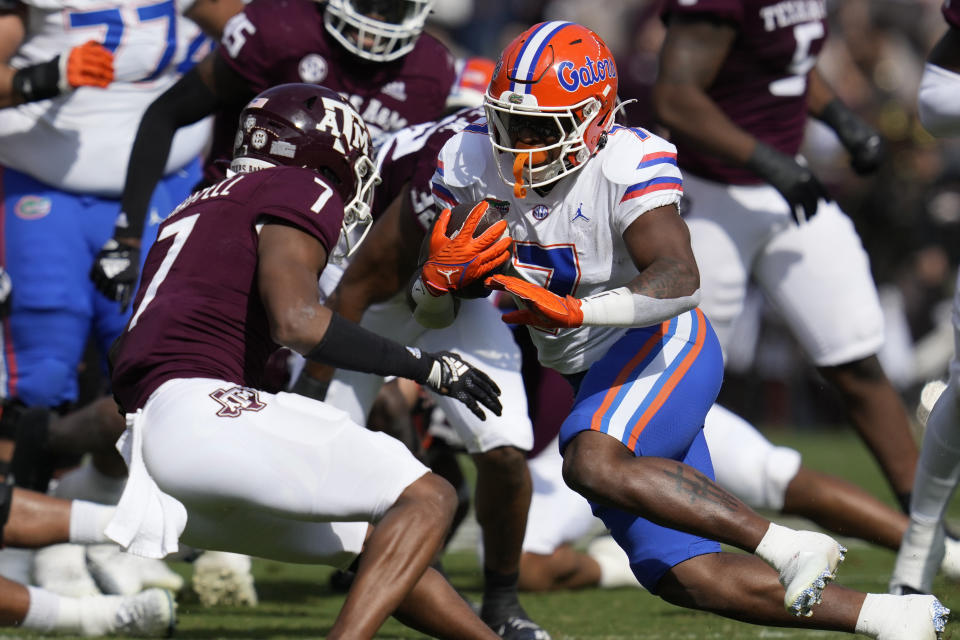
(580, 214)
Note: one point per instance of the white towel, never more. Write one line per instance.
(148, 522)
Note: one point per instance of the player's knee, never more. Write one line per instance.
(580, 475)
(432, 493)
(856, 372)
(505, 462)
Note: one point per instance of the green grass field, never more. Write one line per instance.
(297, 603)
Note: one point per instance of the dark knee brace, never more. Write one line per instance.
(6, 497)
(32, 465)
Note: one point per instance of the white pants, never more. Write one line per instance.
(817, 274)
(482, 339)
(270, 475)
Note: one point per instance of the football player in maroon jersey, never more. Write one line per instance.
(220, 463)
(736, 85)
(371, 51)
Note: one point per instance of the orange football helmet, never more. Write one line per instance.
(550, 103)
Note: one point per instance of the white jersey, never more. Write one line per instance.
(569, 240)
(81, 141)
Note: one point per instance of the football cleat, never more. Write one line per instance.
(517, 628)
(221, 578)
(923, 617)
(808, 572)
(120, 573)
(149, 614)
(62, 569)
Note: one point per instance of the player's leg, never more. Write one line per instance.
(766, 476)
(498, 447)
(635, 425)
(818, 275)
(296, 459)
(146, 615)
(557, 517)
(938, 473)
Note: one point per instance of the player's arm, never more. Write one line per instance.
(377, 271)
(197, 94)
(860, 139)
(212, 15)
(668, 282)
(693, 53)
(938, 102)
(89, 64)
(289, 261)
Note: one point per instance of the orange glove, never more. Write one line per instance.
(455, 263)
(89, 65)
(544, 308)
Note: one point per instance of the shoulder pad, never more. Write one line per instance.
(463, 159)
(633, 155)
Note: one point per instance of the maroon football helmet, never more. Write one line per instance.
(307, 125)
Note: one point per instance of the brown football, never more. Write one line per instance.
(458, 215)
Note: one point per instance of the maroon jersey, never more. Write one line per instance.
(278, 41)
(410, 155)
(198, 312)
(951, 12)
(761, 86)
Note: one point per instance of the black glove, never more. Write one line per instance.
(795, 182)
(115, 271)
(451, 376)
(863, 142)
(6, 293)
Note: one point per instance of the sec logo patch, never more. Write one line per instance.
(313, 68)
(540, 212)
(32, 207)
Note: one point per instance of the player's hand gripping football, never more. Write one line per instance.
(88, 65)
(115, 271)
(544, 308)
(455, 263)
(451, 376)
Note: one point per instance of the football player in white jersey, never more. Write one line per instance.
(938, 470)
(605, 276)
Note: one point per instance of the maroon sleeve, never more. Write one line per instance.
(951, 13)
(304, 199)
(249, 44)
(731, 10)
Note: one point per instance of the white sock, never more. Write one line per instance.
(88, 520)
(777, 547)
(43, 610)
(938, 470)
(873, 614)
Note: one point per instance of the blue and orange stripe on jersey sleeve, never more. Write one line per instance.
(660, 157)
(442, 193)
(476, 128)
(654, 184)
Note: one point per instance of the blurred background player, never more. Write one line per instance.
(30, 519)
(755, 211)
(371, 51)
(643, 359)
(231, 278)
(64, 154)
(938, 470)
